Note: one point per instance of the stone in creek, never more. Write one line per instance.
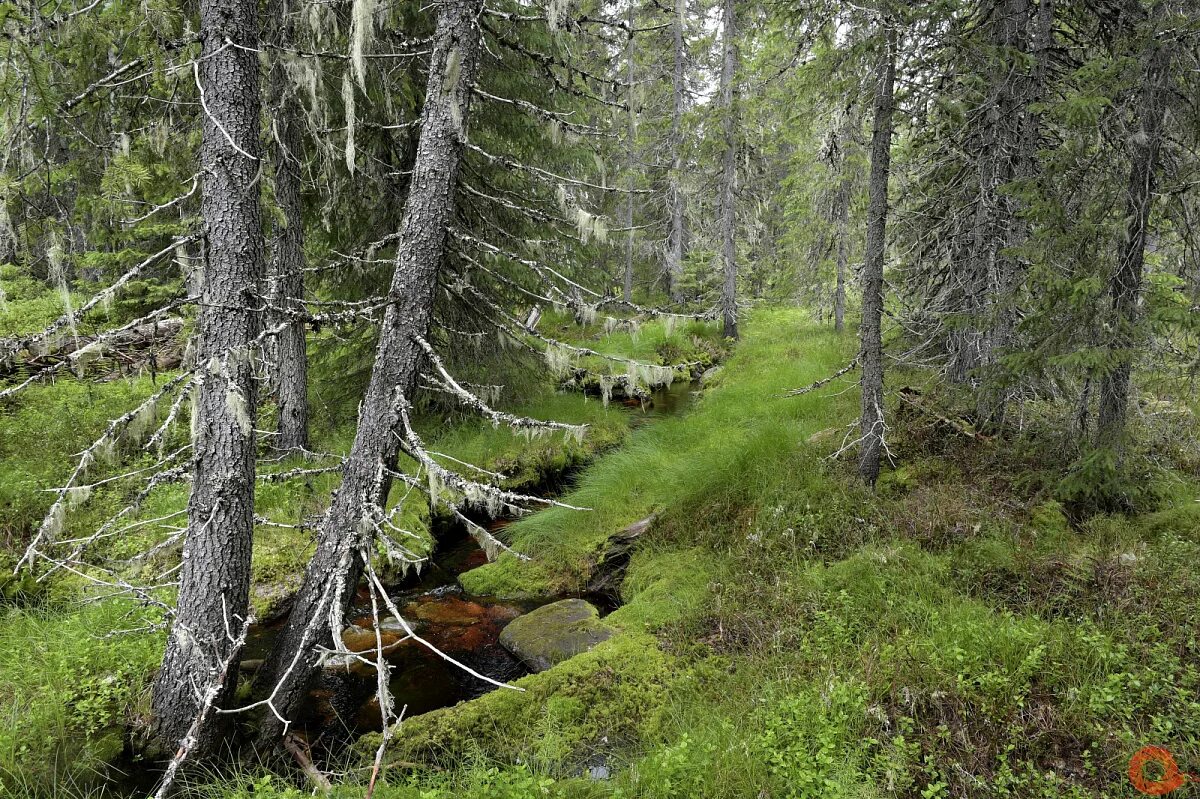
(359, 639)
(446, 610)
(555, 632)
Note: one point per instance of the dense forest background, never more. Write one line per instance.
(833, 364)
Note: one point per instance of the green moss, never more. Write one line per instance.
(68, 687)
(510, 578)
(612, 694)
(670, 587)
(1049, 518)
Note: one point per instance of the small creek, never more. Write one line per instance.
(343, 704)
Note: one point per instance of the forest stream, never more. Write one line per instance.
(343, 704)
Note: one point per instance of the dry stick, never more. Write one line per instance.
(382, 671)
(555, 117)
(57, 513)
(955, 425)
(795, 392)
(413, 445)
(408, 630)
(292, 744)
(481, 407)
(547, 175)
(168, 204)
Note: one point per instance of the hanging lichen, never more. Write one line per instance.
(235, 403)
(558, 360)
(606, 386)
(348, 104)
(362, 29)
(58, 276)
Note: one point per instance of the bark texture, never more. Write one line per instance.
(630, 144)
(987, 272)
(287, 257)
(215, 576)
(841, 214)
(870, 331)
(729, 58)
(1126, 286)
(675, 176)
(336, 567)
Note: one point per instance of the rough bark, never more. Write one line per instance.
(870, 331)
(287, 258)
(675, 233)
(1126, 285)
(841, 215)
(630, 144)
(215, 577)
(336, 567)
(729, 170)
(988, 273)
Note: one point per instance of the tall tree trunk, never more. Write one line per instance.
(287, 261)
(630, 145)
(336, 567)
(987, 274)
(1009, 157)
(841, 213)
(1126, 285)
(843, 259)
(214, 584)
(675, 176)
(870, 331)
(729, 171)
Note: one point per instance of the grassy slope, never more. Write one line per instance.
(66, 691)
(786, 635)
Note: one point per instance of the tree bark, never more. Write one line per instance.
(215, 577)
(870, 332)
(675, 176)
(630, 144)
(729, 170)
(336, 567)
(988, 275)
(287, 261)
(841, 215)
(1125, 288)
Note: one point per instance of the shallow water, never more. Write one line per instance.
(342, 704)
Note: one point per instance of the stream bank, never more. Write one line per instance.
(463, 625)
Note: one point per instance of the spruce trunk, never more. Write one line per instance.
(1126, 285)
(675, 176)
(287, 262)
(870, 331)
(729, 172)
(336, 567)
(214, 582)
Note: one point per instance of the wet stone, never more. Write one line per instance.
(552, 633)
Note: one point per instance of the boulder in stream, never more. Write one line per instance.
(555, 632)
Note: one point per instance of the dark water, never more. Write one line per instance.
(342, 704)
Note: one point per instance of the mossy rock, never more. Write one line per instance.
(617, 692)
(510, 578)
(556, 632)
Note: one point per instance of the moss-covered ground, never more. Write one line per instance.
(74, 667)
(964, 631)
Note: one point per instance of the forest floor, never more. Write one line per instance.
(783, 632)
